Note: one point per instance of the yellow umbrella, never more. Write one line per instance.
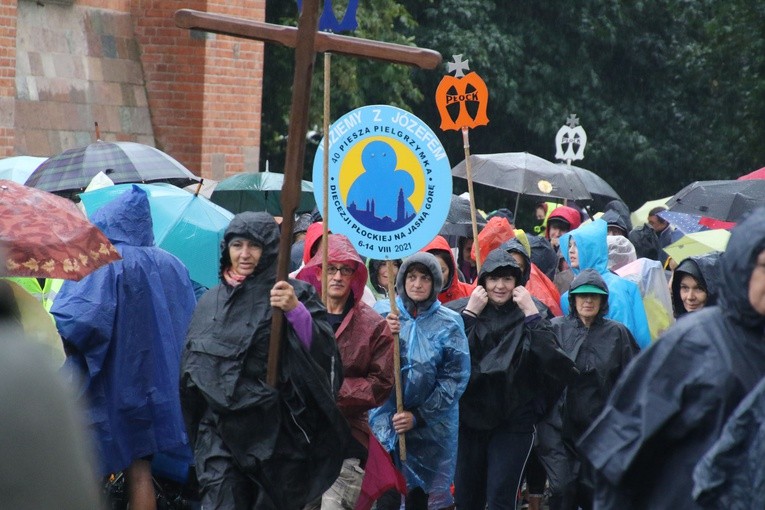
(698, 243)
(640, 216)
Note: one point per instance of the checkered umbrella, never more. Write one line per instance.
(71, 171)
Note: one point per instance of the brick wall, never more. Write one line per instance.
(7, 76)
(124, 64)
(204, 90)
(77, 65)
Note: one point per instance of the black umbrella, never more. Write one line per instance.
(595, 184)
(70, 172)
(458, 222)
(724, 200)
(525, 174)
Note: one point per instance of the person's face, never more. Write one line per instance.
(693, 296)
(520, 260)
(540, 213)
(467, 247)
(444, 270)
(382, 274)
(339, 276)
(615, 231)
(244, 255)
(573, 253)
(757, 285)
(657, 224)
(556, 230)
(587, 306)
(418, 285)
(499, 289)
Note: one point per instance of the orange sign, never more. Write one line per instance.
(461, 90)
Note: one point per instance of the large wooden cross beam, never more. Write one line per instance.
(306, 42)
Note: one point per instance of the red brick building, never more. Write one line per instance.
(66, 64)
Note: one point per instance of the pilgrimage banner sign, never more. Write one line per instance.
(390, 182)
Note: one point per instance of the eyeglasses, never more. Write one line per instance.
(344, 270)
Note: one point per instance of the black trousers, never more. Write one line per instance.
(489, 468)
(416, 499)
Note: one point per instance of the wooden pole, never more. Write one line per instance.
(473, 220)
(293, 164)
(396, 359)
(306, 42)
(325, 198)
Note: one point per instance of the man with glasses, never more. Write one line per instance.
(366, 349)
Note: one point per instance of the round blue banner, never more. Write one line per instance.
(390, 182)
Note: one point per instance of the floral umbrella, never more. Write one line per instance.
(46, 236)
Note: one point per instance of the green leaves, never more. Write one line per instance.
(669, 91)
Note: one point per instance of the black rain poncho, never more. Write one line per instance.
(256, 446)
(732, 475)
(670, 406)
(601, 353)
(517, 368)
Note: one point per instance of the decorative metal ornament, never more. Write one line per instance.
(570, 140)
(329, 22)
(461, 90)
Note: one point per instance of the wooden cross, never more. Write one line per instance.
(306, 42)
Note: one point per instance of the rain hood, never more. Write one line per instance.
(625, 303)
(128, 318)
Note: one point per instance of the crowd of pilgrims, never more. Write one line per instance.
(579, 362)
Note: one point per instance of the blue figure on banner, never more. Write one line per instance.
(378, 198)
(329, 22)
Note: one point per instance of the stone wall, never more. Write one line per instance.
(125, 65)
(76, 65)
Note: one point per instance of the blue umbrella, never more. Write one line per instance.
(188, 226)
(19, 168)
(684, 222)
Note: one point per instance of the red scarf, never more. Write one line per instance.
(232, 278)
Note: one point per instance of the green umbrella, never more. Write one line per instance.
(188, 226)
(259, 192)
(698, 243)
(640, 216)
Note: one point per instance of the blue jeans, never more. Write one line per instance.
(489, 468)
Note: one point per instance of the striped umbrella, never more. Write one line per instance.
(69, 173)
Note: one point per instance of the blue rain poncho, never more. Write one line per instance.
(435, 368)
(624, 301)
(123, 328)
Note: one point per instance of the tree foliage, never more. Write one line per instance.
(669, 91)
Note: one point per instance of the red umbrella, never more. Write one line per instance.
(757, 174)
(46, 236)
